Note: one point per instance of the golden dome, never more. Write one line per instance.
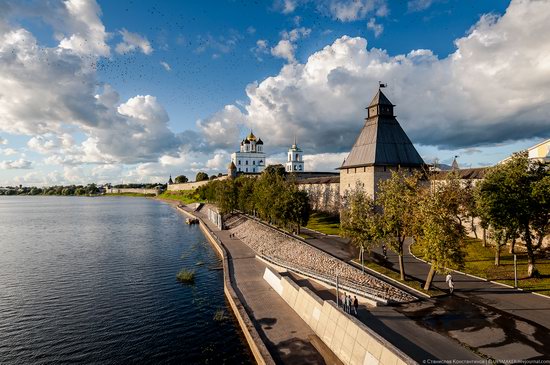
(251, 136)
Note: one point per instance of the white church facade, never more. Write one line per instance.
(295, 160)
(251, 157)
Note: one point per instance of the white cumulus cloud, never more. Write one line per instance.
(482, 94)
(16, 164)
(87, 32)
(8, 151)
(342, 10)
(377, 28)
(285, 49)
(133, 42)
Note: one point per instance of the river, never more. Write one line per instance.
(93, 280)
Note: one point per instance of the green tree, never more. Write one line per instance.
(245, 198)
(226, 195)
(275, 169)
(397, 197)
(268, 190)
(468, 201)
(439, 231)
(181, 179)
(515, 196)
(201, 176)
(292, 208)
(35, 191)
(92, 189)
(360, 221)
(68, 190)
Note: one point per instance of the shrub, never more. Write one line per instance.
(186, 276)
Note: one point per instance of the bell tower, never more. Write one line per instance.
(295, 162)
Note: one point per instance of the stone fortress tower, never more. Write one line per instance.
(381, 147)
(295, 162)
(251, 157)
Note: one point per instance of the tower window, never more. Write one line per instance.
(253, 162)
(246, 162)
(247, 169)
(296, 157)
(239, 162)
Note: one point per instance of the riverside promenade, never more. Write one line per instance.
(494, 320)
(287, 337)
(290, 340)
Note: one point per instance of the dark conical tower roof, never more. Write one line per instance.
(380, 99)
(382, 141)
(454, 165)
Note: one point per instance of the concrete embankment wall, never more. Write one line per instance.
(257, 347)
(352, 341)
(131, 190)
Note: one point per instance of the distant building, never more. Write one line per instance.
(251, 157)
(540, 152)
(170, 182)
(381, 147)
(295, 161)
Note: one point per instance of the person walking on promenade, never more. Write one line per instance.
(349, 304)
(385, 251)
(355, 304)
(343, 300)
(449, 280)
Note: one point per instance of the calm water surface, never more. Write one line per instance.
(92, 280)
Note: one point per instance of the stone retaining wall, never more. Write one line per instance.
(352, 341)
(281, 248)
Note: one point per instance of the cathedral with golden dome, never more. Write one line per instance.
(251, 157)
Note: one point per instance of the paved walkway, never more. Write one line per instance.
(286, 335)
(412, 338)
(494, 320)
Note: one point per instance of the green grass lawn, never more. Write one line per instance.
(395, 275)
(184, 196)
(480, 261)
(324, 222)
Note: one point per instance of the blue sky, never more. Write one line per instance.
(135, 90)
